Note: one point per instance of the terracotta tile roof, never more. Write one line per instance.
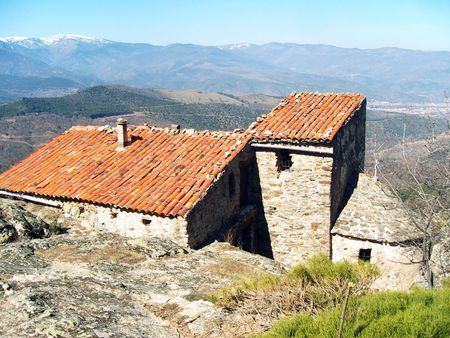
(307, 117)
(161, 172)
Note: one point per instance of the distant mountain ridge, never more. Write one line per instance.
(50, 40)
(392, 74)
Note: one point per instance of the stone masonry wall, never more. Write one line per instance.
(349, 152)
(130, 224)
(220, 208)
(399, 265)
(374, 219)
(296, 205)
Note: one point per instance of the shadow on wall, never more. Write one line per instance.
(250, 231)
(263, 245)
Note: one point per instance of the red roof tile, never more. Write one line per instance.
(161, 172)
(307, 117)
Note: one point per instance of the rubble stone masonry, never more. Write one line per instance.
(126, 223)
(349, 152)
(296, 204)
(220, 207)
(399, 264)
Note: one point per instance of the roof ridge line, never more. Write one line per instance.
(188, 131)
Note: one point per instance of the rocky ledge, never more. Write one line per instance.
(89, 283)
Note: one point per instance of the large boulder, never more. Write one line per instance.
(18, 223)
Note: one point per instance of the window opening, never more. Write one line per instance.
(231, 185)
(364, 254)
(244, 185)
(284, 160)
(146, 221)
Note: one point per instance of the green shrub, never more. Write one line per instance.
(56, 229)
(419, 313)
(445, 283)
(316, 284)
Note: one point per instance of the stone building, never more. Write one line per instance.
(375, 227)
(277, 189)
(138, 181)
(309, 151)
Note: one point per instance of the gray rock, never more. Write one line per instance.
(7, 232)
(88, 283)
(26, 224)
(440, 256)
(16, 223)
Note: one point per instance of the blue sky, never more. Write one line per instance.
(415, 24)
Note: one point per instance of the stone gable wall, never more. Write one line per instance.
(349, 153)
(220, 208)
(296, 204)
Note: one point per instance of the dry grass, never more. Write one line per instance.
(229, 267)
(256, 303)
(114, 253)
(5, 276)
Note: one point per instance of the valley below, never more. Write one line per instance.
(27, 124)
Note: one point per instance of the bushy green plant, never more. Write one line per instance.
(316, 284)
(418, 313)
(56, 229)
(445, 283)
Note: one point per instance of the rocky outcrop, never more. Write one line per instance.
(440, 256)
(16, 223)
(7, 232)
(89, 283)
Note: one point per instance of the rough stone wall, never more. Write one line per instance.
(130, 224)
(220, 208)
(296, 205)
(373, 214)
(349, 152)
(399, 265)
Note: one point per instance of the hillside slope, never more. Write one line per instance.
(30, 122)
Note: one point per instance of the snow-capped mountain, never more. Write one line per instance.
(13, 39)
(242, 45)
(51, 40)
(272, 68)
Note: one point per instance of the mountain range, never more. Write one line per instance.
(61, 64)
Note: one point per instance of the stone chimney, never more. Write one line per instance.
(122, 133)
(175, 128)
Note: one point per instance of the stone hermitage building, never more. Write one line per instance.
(276, 189)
